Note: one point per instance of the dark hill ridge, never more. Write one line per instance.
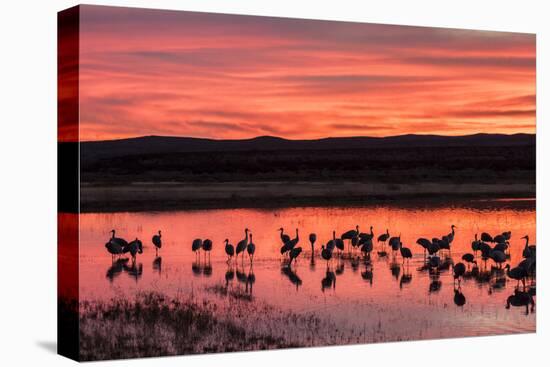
(166, 145)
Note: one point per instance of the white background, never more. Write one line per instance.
(28, 179)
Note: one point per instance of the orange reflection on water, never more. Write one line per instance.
(353, 295)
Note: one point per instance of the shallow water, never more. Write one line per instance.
(384, 301)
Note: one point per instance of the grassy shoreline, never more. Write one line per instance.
(175, 196)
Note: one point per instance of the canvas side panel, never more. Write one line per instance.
(67, 183)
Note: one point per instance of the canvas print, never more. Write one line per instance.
(239, 183)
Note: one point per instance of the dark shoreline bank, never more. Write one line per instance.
(173, 197)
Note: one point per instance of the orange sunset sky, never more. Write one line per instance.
(151, 72)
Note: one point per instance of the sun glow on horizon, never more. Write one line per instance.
(149, 72)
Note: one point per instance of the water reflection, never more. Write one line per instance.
(157, 264)
(368, 274)
(134, 270)
(116, 269)
(292, 276)
(459, 298)
(329, 281)
(425, 287)
(521, 299)
(124, 265)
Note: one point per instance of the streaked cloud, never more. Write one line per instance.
(152, 72)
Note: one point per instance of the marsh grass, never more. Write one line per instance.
(155, 325)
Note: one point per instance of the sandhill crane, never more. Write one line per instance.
(501, 246)
(293, 254)
(405, 253)
(339, 245)
(369, 235)
(383, 238)
(352, 233)
(312, 239)
(284, 237)
(114, 249)
(517, 273)
(434, 247)
(326, 254)
(241, 245)
(116, 240)
(293, 242)
(499, 238)
(498, 257)
(290, 244)
(486, 237)
(444, 244)
(134, 248)
(529, 250)
(196, 246)
(528, 264)
(229, 250)
(451, 236)
(355, 241)
(366, 246)
(331, 244)
(476, 245)
(251, 249)
(157, 242)
(394, 244)
(207, 247)
(425, 243)
(336, 243)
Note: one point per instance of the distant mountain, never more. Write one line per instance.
(165, 145)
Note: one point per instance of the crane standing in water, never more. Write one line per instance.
(528, 250)
(406, 253)
(326, 254)
(349, 235)
(116, 240)
(229, 250)
(196, 246)
(312, 239)
(251, 249)
(157, 242)
(284, 237)
(207, 247)
(383, 238)
(241, 245)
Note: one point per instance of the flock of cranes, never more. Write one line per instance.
(495, 248)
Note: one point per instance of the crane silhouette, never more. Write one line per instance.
(406, 253)
(284, 237)
(312, 239)
(528, 250)
(157, 242)
(116, 240)
(326, 254)
(207, 247)
(251, 249)
(229, 250)
(241, 245)
(425, 243)
(196, 246)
